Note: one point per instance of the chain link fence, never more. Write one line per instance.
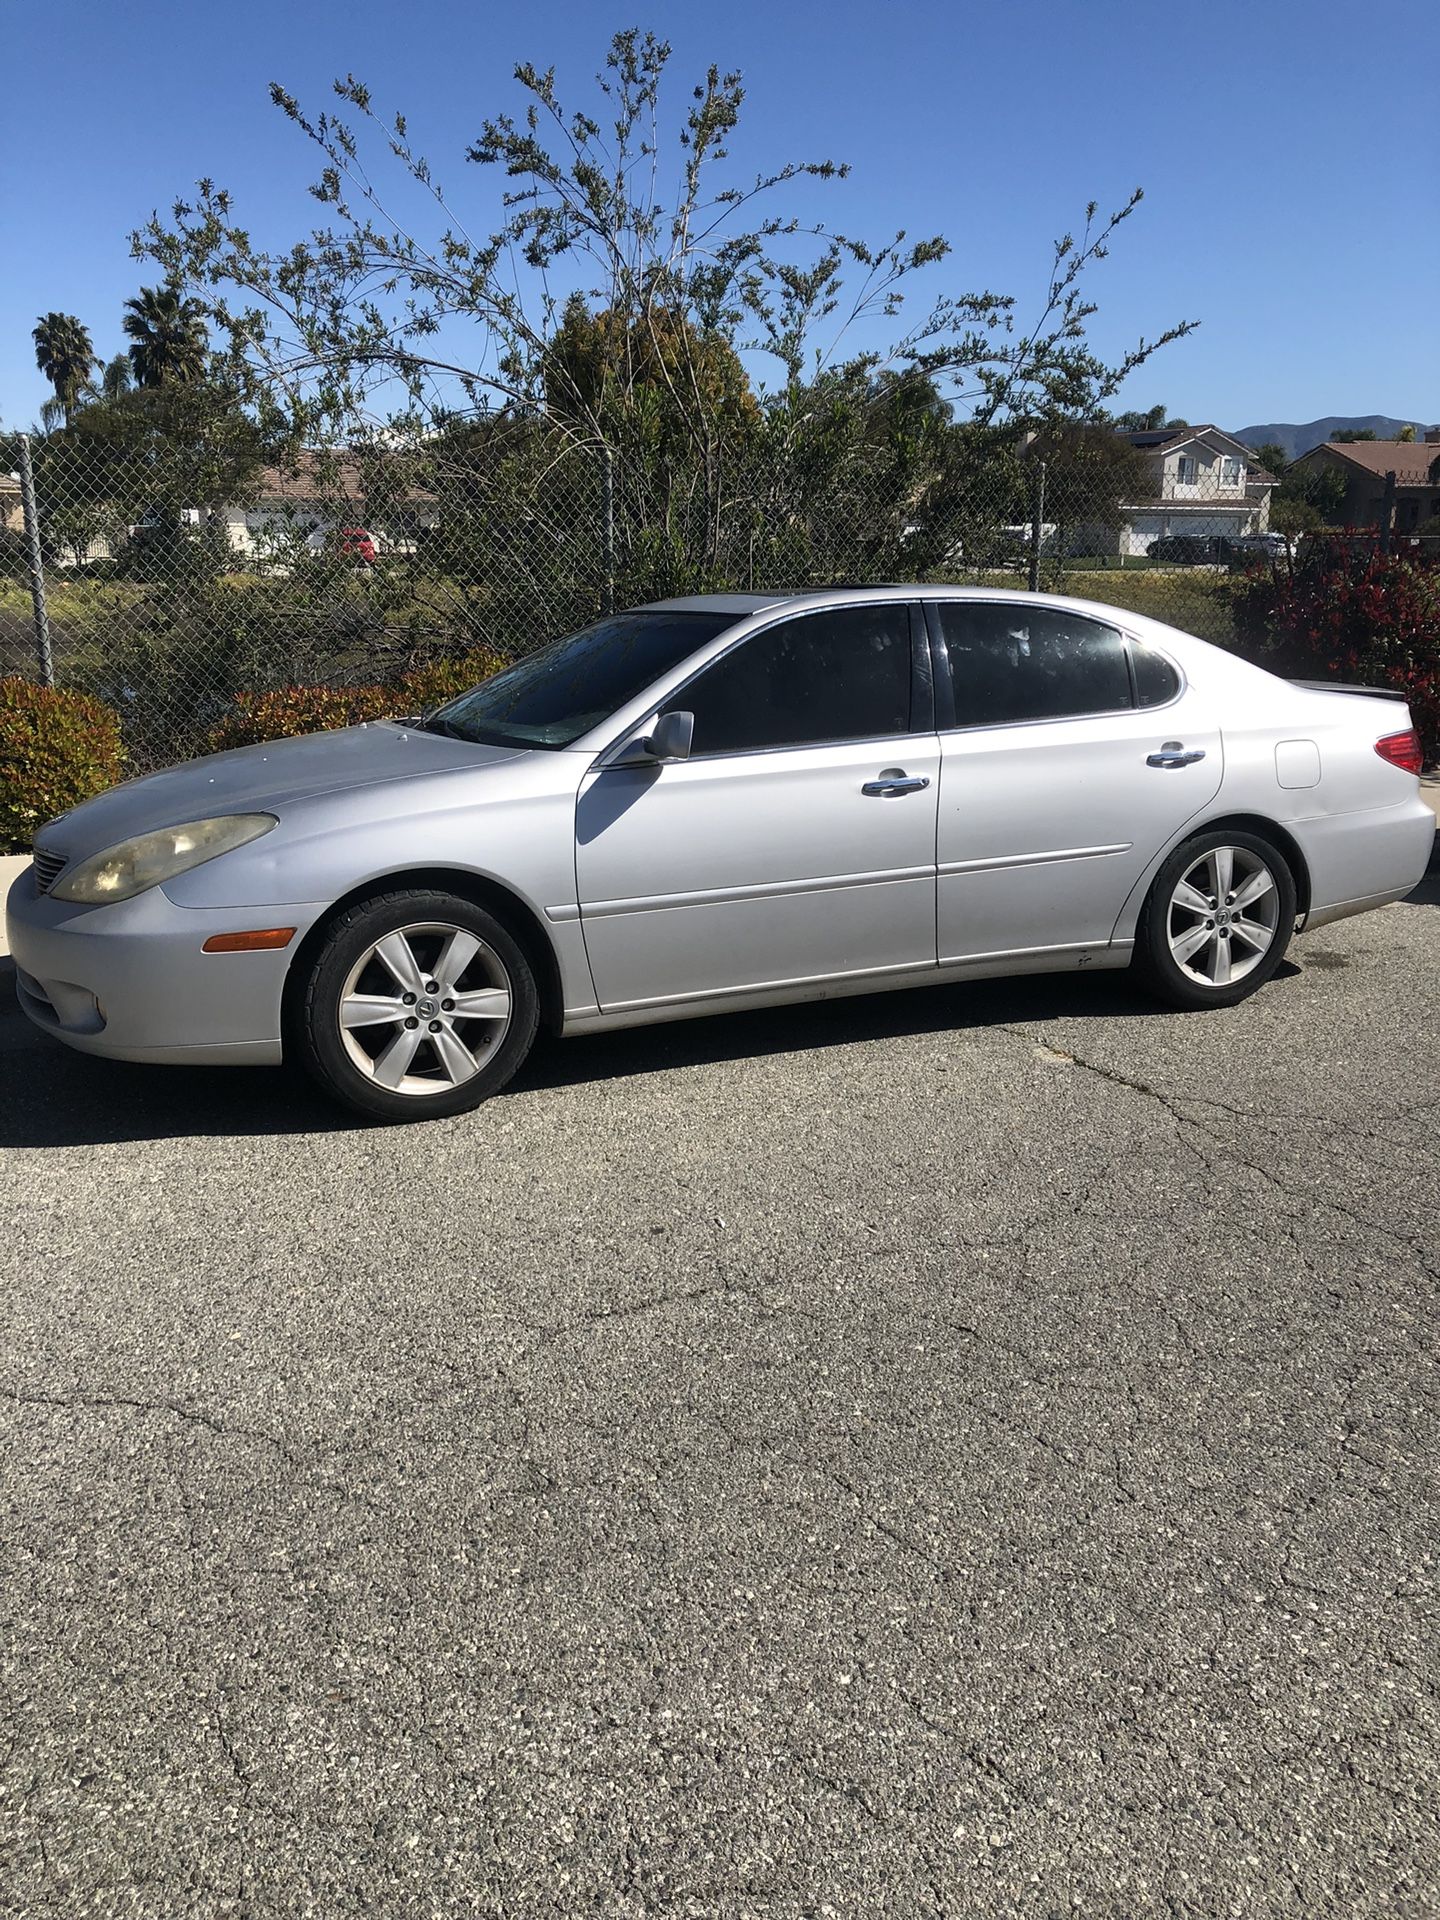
(169, 579)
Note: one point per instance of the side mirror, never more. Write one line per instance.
(672, 736)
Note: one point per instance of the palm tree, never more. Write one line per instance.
(168, 338)
(115, 380)
(65, 355)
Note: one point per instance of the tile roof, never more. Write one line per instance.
(311, 477)
(1409, 460)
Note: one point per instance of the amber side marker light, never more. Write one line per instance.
(262, 940)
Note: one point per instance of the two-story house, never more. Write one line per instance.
(1203, 482)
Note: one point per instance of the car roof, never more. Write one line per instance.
(743, 606)
(737, 603)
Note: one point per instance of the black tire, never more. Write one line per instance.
(346, 968)
(1164, 917)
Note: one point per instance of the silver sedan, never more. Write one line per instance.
(727, 801)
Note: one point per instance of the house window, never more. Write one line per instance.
(1186, 470)
(1232, 472)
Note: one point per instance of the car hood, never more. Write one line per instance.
(263, 779)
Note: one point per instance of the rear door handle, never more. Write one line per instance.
(895, 780)
(1173, 754)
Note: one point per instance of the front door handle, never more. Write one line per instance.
(895, 780)
(1172, 754)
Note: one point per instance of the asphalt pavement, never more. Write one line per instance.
(966, 1452)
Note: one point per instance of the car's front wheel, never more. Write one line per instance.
(1217, 920)
(417, 1005)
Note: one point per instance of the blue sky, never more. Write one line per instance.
(1285, 148)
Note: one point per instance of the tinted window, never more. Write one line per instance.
(1013, 662)
(551, 697)
(1156, 681)
(839, 675)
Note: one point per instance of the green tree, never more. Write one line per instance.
(66, 357)
(1272, 457)
(1092, 473)
(1347, 436)
(1293, 517)
(630, 369)
(1312, 484)
(168, 337)
(1149, 421)
(652, 376)
(590, 205)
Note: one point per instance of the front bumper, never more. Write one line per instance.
(129, 981)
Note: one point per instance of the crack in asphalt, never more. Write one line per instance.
(133, 1403)
(1182, 1113)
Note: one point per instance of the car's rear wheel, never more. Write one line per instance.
(417, 1005)
(1217, 920)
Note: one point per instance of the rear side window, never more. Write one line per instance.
(1156, 681)
(843, 674)
(1012, 662)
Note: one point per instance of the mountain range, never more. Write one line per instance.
(1300, 439)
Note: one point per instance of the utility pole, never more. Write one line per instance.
(609, 485)
(1387, 514)
(1037, 524)
(36, 568)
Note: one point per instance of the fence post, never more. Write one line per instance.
(1387, 514)
(37, 570)
(608, 481)
(1037, 521)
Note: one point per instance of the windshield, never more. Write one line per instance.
(551, 697)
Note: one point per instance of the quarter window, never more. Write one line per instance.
(1156, 681)
(843, 674)
(1010, 662)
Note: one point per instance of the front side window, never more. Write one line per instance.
(842, 674)
(550, 698)
(1185, 470)
(1011, 662)
(1231, 472)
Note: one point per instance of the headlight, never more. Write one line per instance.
(136, 865)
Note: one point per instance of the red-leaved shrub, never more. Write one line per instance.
(1369, 618)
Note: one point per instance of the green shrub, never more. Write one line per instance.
(57, 748)
(257, 717)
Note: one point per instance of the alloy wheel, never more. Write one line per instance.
(424, 1008)
(1223, 916)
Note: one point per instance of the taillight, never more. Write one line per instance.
(1401, 750)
